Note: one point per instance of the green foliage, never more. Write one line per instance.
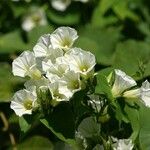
(36, 142)
(145, 127)
(103, 86)
(89, 127)
(134, 54)
(61, 122)
(95, 39)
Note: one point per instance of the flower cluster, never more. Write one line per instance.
(54, 65)
(125, 86)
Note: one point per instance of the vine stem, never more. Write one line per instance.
(6, 129)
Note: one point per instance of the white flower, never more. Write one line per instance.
(72, 81)
(63, 38)
(81, 61)
(35, 17)
(123, 144)
(54, 71)
(135, 93)
(25, 65)
(23, 102)
(57, 95)
(60, 5)
(145, 93)
(43, 48)
(122, 83)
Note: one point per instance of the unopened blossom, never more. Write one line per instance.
(60, 5)
(25, 65)
(123, 144)
(35, 17)
(145, 93)
(122, 82)
(134, 93)
(81, 61)
(43, 48)
(23, 102)
(63, 38)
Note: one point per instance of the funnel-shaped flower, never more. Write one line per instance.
(63, 38)
(122, 82)
(81, 61)
(25, 65)
(23, 102)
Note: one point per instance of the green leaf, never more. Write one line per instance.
(122, 10)
(78, 107)
(24, 125)
(8, 83)
(104, 5)
(120, 113)
(28, 122)
(12, 42)
(98, 18)
(103, 86)
(89, 127)
(100, 42)
(61, 123)
(144, 136)
(133, 58)
(35, 143)
(64, 18)
(133, 116)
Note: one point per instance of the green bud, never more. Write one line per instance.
(44, 99)
(104, 117)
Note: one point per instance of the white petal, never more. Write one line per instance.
(46, 65)
(135, 93)
(122, 83)
(32, 84)
(56, 94)
(44, 48)
(28, 24)
(145, 93)
(60, 5)
(123, 144)
(83, 1)
(21, 65)
(146, 85)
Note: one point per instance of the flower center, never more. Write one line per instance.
(36, 18)
(28, 104)
(76, 85)
(66, 43)
(83, 68)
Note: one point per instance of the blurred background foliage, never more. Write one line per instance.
(116, 31)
